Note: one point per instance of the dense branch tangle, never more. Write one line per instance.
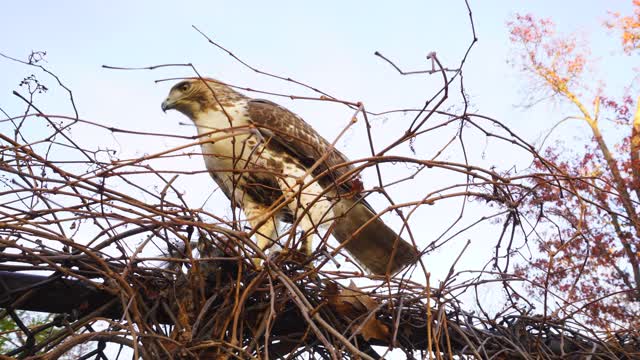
(92, 221)
(126, 257)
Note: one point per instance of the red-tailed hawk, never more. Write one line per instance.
(262, 155)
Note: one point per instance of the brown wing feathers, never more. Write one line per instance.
(367, 237)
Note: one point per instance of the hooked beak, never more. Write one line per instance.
(167, 105)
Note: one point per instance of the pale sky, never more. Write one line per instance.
(329, 45)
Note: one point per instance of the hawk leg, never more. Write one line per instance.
(310, 208)
(265, 227)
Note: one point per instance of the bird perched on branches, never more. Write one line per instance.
(276, 167)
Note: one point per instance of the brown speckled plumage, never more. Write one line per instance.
(268, 162)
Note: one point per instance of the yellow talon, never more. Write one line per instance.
(257, 262)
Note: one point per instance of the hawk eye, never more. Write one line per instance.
(184, 87)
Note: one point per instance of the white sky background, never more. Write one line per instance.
(329, 45)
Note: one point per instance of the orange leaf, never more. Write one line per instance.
(375, 329)
(352, 303)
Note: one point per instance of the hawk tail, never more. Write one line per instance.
(374, 245)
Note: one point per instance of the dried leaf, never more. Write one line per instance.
(338, 301)
(375, 329)
(352, 303)
(367, 301)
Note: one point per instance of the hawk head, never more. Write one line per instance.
(195, 96)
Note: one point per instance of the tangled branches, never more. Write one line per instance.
(128, 258)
